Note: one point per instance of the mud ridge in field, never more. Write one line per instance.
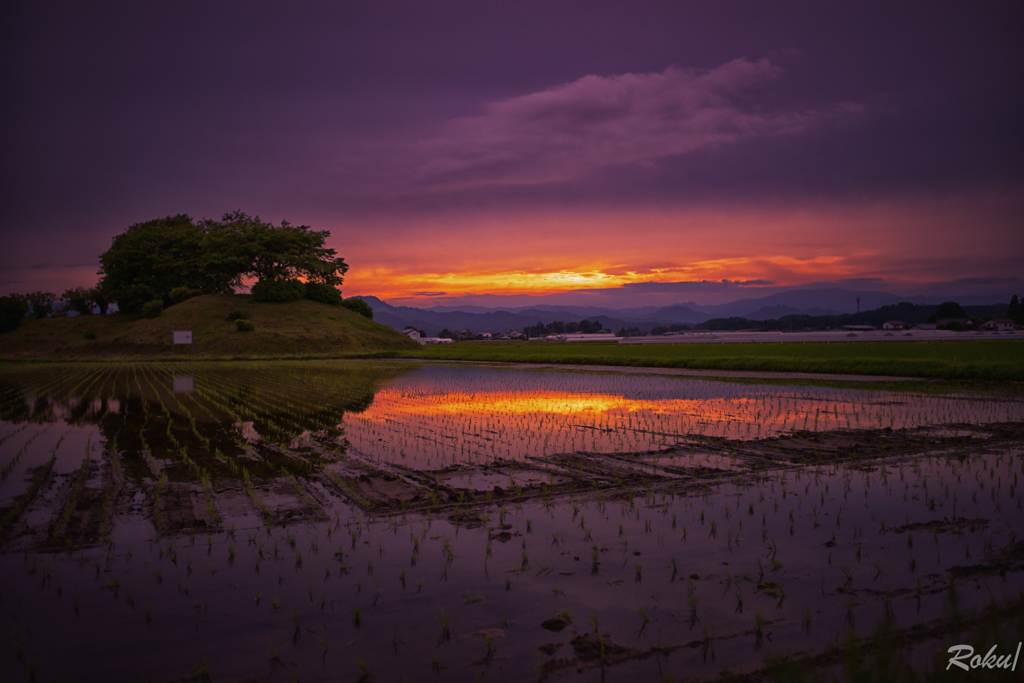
(458, 489)
(81, 508)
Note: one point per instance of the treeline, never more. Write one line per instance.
(907, 313)
(559, 327)
(14, 308)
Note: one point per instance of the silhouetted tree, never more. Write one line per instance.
(41, 303)
(79, 299)
(13, 310)
(947, 310)
(150, 259)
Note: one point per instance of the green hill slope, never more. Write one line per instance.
(302, 328)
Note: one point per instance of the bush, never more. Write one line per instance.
(325, 294)
(244, 325)
(278, 291)
(89, 334)
(239, 315)
(358, 306)
(13, 310)
(153, 309)
(179, 294)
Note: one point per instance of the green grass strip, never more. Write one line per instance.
(990, 360)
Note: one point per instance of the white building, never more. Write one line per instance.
(998, 325)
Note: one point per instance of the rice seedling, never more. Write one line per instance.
(446, 633)
(201, 672)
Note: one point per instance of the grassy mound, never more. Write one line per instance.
(299, 329)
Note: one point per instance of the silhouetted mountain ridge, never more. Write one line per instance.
(812, 306)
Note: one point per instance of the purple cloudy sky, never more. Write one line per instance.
(464, 149)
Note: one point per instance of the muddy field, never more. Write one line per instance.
(362, 521)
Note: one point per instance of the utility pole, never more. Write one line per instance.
(858, 310)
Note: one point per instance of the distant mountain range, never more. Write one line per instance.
(815, 302)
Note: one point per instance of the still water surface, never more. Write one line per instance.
(300, 521)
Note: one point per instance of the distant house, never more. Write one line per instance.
(924, 326)
(413, 333)
(893, 325)
(998, 325)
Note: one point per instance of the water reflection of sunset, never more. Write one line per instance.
(554, 402)
(440, 416)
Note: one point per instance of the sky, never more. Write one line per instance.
(498, 151)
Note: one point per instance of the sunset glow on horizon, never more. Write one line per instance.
(788, 245)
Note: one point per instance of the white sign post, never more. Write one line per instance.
(180, 337)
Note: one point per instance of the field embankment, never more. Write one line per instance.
(988, 360)
(299, 329)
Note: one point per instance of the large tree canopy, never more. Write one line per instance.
(150, 259)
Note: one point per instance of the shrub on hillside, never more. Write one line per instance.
(13, 310)
(239, 315)
(179, 294)
(278, 291)
(325, 294)
(90, 334)
(153, 309)
(358, 306)
(244, 325)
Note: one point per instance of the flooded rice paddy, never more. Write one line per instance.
(382, 521)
